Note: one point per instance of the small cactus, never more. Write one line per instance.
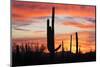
(71, 43)
(63, 49)
(77, 43)
(62, 46)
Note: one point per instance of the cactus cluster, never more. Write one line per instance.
(77, 45)
(50, 37)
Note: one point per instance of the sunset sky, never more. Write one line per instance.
(29, 20)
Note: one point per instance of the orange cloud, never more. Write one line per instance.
(26, 10)
(80, 25)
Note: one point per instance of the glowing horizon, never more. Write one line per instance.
(29, 21)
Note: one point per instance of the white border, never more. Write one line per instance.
(4, 33)
(84, 2)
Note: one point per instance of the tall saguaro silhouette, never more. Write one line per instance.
(71, 43)
(76, 43)
(50, 35)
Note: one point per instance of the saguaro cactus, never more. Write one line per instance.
(76, 43)
(62, 46)
(50, 35)
(63, 49)
(71, 43)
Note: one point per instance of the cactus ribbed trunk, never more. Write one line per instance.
(53, 37)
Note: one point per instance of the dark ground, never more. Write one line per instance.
(23, 57)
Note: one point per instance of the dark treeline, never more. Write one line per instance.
(24, 55)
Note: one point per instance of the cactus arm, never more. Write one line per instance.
(57, 48)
